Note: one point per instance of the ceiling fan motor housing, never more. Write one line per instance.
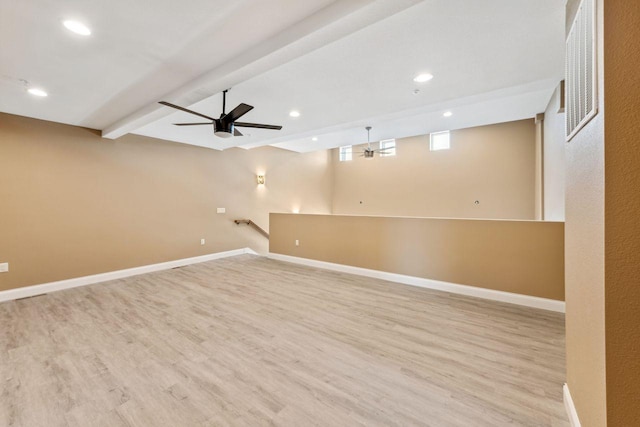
(223, 129)
(368, 153)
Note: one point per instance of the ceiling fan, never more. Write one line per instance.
(368, 152)
(225, 126)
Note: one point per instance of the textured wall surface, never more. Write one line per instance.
(584, 262)
(622, 211)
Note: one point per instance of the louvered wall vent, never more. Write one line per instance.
(580, 71)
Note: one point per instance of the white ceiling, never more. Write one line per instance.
(343, 64)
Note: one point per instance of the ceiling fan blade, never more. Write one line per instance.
(236, 132)
(177, 107)
(193, 124)
(257, 125)
(237, 112)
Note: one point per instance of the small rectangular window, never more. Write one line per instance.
(387, 147)
(345, 153)
(439, 141)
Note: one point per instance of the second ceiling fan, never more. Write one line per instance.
(368, 152)
(225, 126)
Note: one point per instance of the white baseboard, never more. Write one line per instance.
(529, 301)
(30, 291)
(490, 294)
(570, 407)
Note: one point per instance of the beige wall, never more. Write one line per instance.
(74, 204)
(554, 160)
(622, 211)
(602, 229)
(584, 263)
(524, 257)
(492, 164)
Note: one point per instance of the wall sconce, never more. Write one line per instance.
(260, 179)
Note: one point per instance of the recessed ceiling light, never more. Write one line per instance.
(315, 138)
(77, 27)
(421, 78)
(448, 114)
(294, 113)
(37, 92)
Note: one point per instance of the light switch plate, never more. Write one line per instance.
(221, 210)
(4, 267)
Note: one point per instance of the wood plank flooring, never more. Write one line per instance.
(248, 341)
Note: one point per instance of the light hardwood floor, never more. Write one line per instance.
(248, 341)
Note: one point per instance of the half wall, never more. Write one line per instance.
(522, 257)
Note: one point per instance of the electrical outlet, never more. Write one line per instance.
(221, 210)
(202, 241)
(4, 267)
(297, 242)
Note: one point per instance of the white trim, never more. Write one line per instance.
(570, 407)
(29, 291)
(526, 300)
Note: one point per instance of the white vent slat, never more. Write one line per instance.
(580, 70)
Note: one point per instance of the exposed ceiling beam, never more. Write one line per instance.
(323, 27)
